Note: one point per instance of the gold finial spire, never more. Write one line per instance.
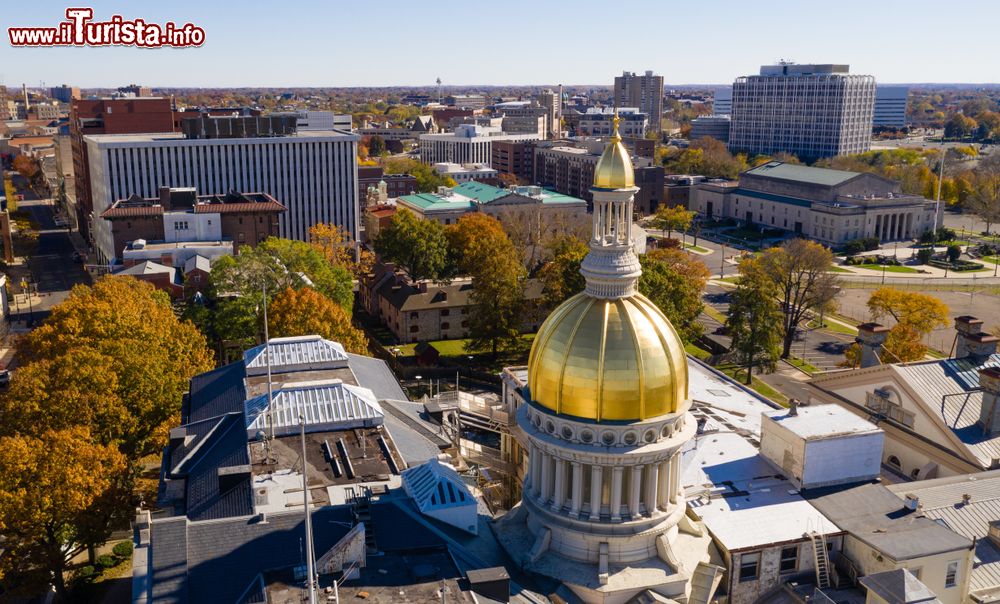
(615, 121)
(614, 169)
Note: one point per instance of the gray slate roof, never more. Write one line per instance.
(941, 500)
(948, 388)
(215, 393)
(805, 174)
(216, 561)
(898, 586)
(875, 515)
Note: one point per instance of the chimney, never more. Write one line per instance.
(231, 476)
(871, 337)
(165, 198)
(911, 501)
(972, 341)
(422, 286)
(989, 414)
(793, 407)
(178, 436)
(994, 532)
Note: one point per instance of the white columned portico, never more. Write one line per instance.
(596, 481)
(577, 488)
(616, 493)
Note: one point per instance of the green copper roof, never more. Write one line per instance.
(806, 174)
(476, 192)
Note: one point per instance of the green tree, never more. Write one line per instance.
(488, 256)
(561, 276)
(376, 146)
(428, 180)
(674, 281)
(672, 218)
(48, 485)
(799, 277)
(418, 246)
(279, 263)
(306, 312)
(755, 324)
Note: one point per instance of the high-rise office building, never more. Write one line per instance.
(64, 93)
(890, 106)
(551, 101)
(642, 91)
(722, 101)
(812, 111)
(313, 173)
(109, 116)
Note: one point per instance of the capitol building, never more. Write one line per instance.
(605, 418)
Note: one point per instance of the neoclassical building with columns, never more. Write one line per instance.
(830, 206)
(604, 419)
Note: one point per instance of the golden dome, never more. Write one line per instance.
(608, 359)
(614, 169)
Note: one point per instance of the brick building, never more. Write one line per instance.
(567, 166)
(515, 158)
(109, 116)
(396, 184)
(182, 216)
(426, 311)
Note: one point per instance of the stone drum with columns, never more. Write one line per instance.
(606, 418)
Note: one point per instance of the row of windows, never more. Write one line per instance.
(311, 178)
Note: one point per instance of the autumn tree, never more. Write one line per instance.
(26, 167)
(798, 277)
(336, 245)
(306, 312)
(984, 201)
(418, 246)
(486, 254)
(674, 281)
(754, 324)
(672, 218)
(153, 356)
(561, 276)
(48, 484)
(915, 315)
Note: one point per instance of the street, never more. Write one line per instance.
(50, 269)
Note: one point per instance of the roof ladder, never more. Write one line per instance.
(821, 560)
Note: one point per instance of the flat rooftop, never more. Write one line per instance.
(741, 499)
(822, 421)
(168, 137)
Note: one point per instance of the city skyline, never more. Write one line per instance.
(333, 47)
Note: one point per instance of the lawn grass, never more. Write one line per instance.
(889, 268)
(733, 280)
(696, 248)
(836, 269)
(738, 374)
(835, 327)
(715, 314)
(450, 348)
(802, 364)
(993, 259)
(697, 352)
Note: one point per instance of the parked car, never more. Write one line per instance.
(4, 378)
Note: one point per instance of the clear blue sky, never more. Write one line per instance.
(394, 42)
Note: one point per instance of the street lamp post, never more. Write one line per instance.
(722, 264)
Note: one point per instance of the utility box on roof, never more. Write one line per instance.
(822, 445)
